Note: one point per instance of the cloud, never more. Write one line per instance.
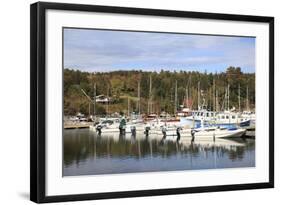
(100, 50)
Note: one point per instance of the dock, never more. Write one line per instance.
(77, 125)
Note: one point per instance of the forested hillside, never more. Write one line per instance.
(122, 87)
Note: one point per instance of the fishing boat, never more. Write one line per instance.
(213, 132)
(110, 126)
(228, 118)
(222, 119)
(250, 115)
(105, 126)
(185, 131)
(199, 134)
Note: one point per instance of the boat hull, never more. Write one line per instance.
(172, 134)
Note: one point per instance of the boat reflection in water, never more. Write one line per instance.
(85, 153)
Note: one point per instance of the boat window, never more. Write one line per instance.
(222, 117)
(212, 114)
(201, 113)
(227, 117)
(233, 116)
(107, 121)
(207, 114)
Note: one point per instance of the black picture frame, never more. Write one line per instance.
(38, 100)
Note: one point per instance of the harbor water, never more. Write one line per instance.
(85, 153)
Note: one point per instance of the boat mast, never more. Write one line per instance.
(247, 99)
(217, 103)
(228, 103)
(94, 97)
(187, 92)
(214, 95)
(176, 97)
(149, 107)
(139, 97)
(88, 97)
(128, 106)
(107, 104)
(224, 104)
(89, 109)
(186, 96)
(91, 88)
(198, 100)
(239, 106)
(228, 97)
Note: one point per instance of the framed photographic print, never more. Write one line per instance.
(129, 102)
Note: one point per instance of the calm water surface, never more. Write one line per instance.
(87, 154)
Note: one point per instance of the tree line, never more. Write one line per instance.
(159, 91)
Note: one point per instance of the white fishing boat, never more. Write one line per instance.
(251, 116)
(179, 133)
(107, 125)
(212, 132)
(223, 119)
(226, 118)
(112, 126)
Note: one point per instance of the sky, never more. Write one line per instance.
(106, 50)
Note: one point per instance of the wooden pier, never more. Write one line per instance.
(77, 125)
